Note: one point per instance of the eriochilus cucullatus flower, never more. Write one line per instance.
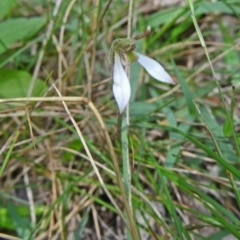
(122, 53)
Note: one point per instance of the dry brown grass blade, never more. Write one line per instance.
(45, 99)
(95, 220)
(90, 155)
(8, 237)
(132, 227)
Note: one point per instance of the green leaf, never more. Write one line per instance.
(22, 224)
(18, 29)
(166, 15)
(142, 108)
(222, 7)
(15, 83)
(187, 93)
(227, 130)
(6, 7)
(5, 220)
(82, 225)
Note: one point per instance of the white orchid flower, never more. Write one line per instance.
(121, 86)
(122, 52)
(154, 69)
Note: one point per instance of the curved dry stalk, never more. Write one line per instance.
(90, 155)
(133, 227)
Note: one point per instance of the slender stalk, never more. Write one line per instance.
(124, 135)
(132, 225)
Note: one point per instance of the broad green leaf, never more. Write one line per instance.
(18, 29)
(163, 16)
(22, 224)
(15, 83)
(227, 7)
(5, 220)
(6, 6)
(142, 108)
(166, 15)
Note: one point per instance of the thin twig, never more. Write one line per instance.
(61, 37)
(30, 197)
(45, 41)
(45, 99)
(93, 52)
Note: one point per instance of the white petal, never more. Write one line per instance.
(121, 85)
(154, 69)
